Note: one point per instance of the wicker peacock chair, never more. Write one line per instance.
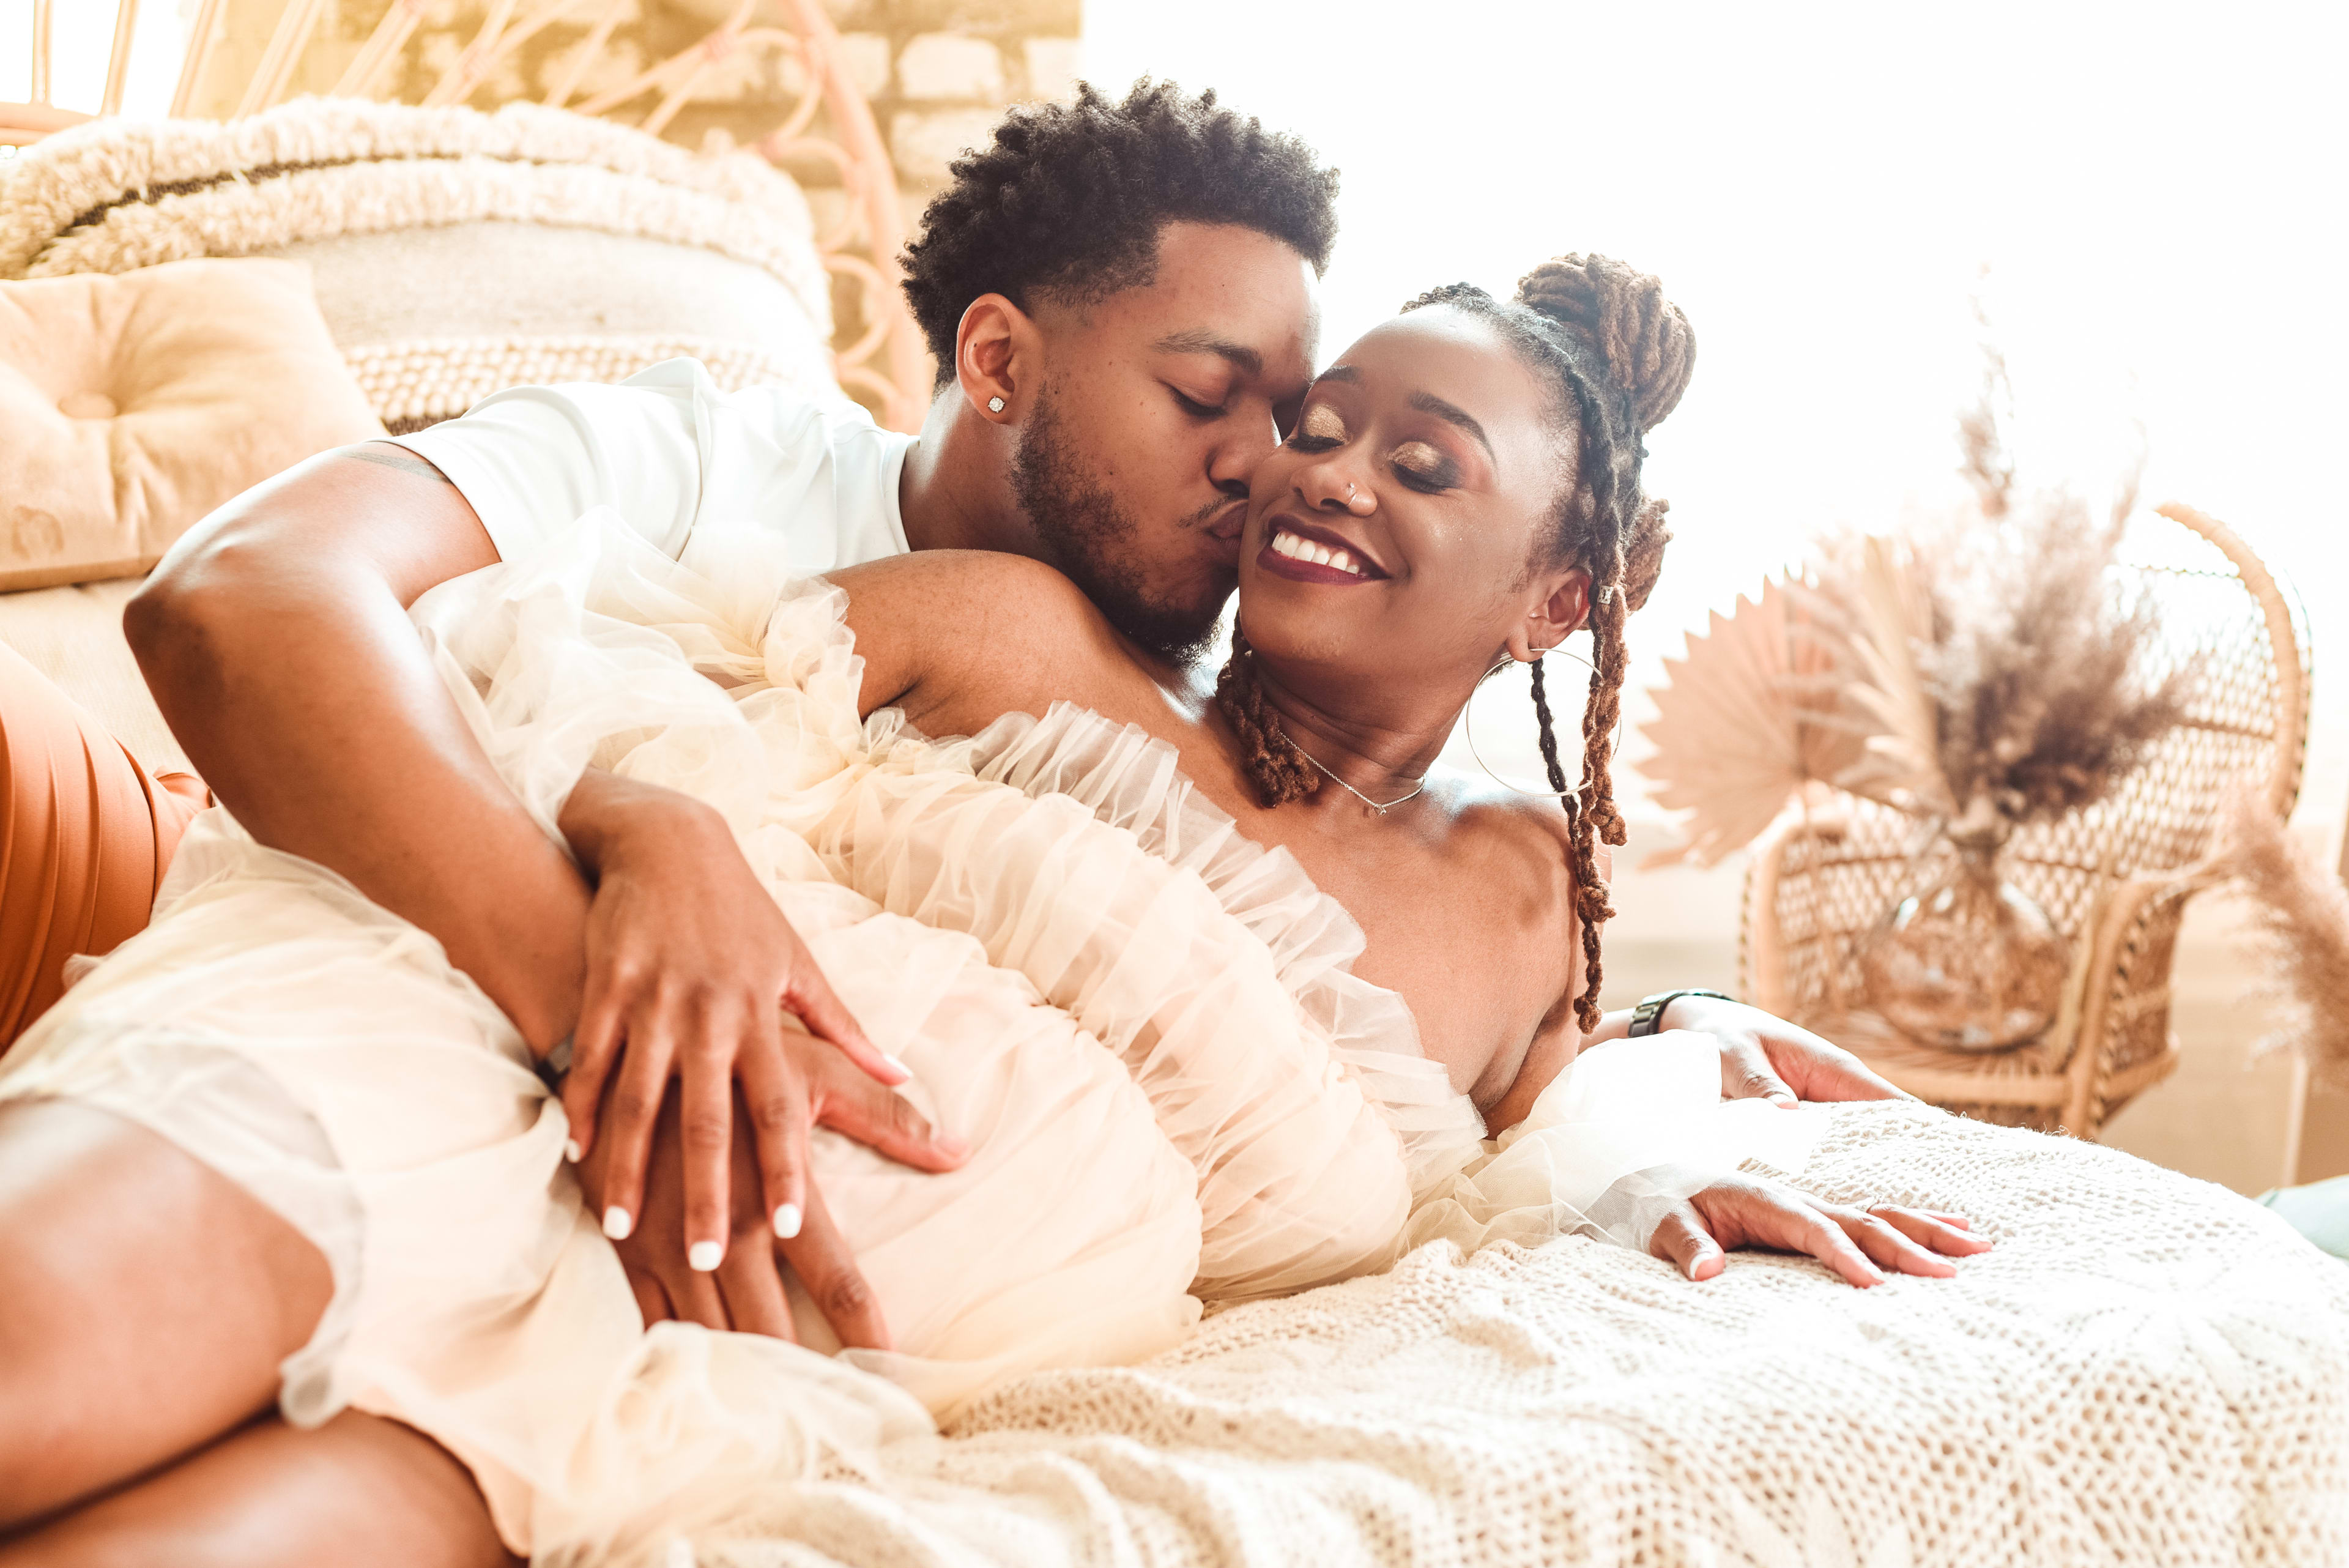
(2114, 878)
(877, 353)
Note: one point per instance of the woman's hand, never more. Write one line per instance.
(693, 974)
(1712, 1214)
(1764, 1057)
(745, 1293)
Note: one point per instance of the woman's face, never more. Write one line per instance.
(1442, 436)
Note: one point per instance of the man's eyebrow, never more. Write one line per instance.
(1202, 342)
(1452, 414)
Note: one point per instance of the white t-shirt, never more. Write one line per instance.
(671, 452)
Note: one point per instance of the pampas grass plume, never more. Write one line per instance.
(2300, 936)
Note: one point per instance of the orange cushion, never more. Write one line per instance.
(85, 835)
(131, 405)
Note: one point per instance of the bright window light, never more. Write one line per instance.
(2157, 193)
(81, 38)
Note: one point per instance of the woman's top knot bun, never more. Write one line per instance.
(1622, 316)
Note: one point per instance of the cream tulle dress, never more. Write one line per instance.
(1147, 1027)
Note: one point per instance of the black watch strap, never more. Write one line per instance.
(1647, 1018)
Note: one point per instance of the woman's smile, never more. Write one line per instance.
(1308, 552)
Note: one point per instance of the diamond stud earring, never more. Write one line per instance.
(995, 405)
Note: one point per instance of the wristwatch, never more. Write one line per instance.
(1650, 1013)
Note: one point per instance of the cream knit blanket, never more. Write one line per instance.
(2147, 1370)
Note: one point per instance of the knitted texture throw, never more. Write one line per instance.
(2148, 1369)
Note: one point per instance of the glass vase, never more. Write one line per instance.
(1971, 963)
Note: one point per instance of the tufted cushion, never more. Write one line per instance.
(547, 302)
(132, 405)
(454, 252)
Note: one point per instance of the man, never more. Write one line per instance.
(1120, 299)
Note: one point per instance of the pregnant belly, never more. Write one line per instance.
(1070, 1236)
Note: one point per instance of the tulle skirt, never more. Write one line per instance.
(1146, 1027)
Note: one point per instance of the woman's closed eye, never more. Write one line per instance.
(1423, 466)
(1319, 429)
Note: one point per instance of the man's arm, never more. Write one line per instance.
(276, 640)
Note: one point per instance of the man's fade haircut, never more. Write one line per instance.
(1069, 199)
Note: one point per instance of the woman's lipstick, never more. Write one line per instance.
(1308, 555)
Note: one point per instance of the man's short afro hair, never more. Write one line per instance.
(1071, 198)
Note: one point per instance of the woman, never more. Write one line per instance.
(1139, 943)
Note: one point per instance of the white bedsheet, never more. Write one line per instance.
(2148, 1369)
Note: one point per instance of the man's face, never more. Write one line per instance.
(1158, 403)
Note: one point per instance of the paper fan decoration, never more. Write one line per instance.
(1901, 765)
(1748, 715)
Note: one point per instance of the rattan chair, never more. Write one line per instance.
(878, 353)
(2114, 878)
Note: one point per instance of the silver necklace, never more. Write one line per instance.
(1350, 790)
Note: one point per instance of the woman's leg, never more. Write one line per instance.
(146, 1300)
(357, 1493)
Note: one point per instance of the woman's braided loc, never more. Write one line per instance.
(1620, 354)
(1279, 770)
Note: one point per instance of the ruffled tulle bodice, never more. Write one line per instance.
(1068, 846)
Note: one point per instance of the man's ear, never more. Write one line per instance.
(998, 359)
(1562, 609)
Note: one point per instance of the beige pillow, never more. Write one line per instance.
(132, 405)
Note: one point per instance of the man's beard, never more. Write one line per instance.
(1090, 537)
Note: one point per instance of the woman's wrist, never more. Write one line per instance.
(1655, 1014)
(608, 818)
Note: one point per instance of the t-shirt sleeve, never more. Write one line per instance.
(532, 460)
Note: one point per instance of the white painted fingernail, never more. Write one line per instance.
(571, 1150)
(705, 1256)
(787, 1221)
(618, 1222)
(898, 1067)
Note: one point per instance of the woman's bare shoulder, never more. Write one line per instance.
(938, 628)
(954, 581)
(1533, 824)
(1530, 833)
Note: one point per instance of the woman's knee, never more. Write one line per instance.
(148, 1301)
(359, 1492)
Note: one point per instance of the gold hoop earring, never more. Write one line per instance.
(1468, 725)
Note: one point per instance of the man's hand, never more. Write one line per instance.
(745, 1293)
(1861, 1245)
(693, 974)
(1764, 1057)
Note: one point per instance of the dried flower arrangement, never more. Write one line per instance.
(2299, 935)
(1990, 668)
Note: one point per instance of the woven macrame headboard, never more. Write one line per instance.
(825, 130)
